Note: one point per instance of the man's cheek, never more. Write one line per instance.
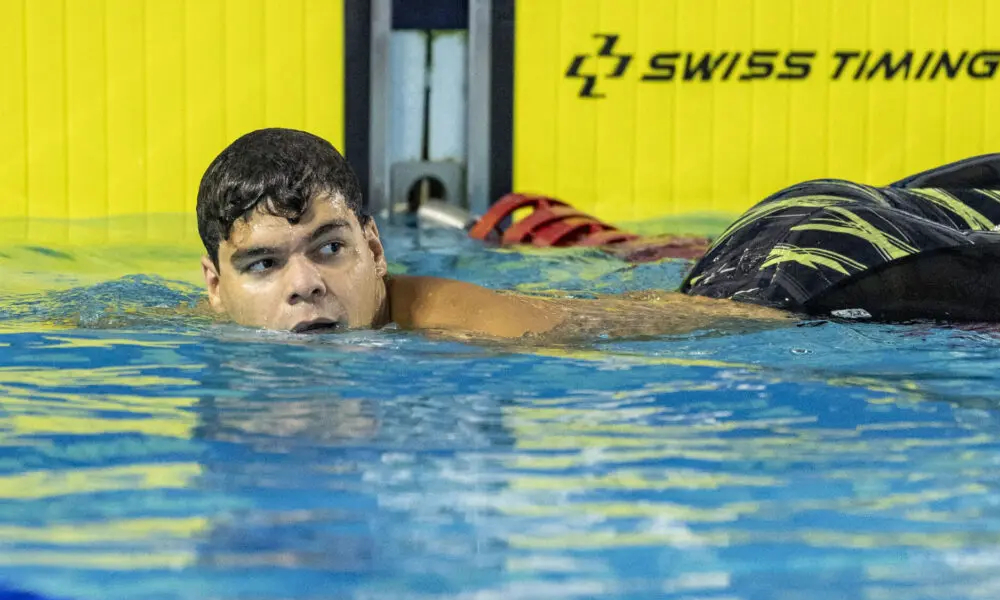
(247, 301)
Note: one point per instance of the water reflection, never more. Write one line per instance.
(338, 459)
(466, 469)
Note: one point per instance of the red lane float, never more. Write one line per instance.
(554, 223)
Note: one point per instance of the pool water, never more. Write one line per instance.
(144, 455)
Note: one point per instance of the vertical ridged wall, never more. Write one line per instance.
(652, 149)
(115, 107)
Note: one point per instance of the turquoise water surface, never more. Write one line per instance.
(145, 455)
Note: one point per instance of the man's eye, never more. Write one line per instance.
(260, 266)
(330, 249)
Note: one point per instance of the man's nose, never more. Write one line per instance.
(304, 281)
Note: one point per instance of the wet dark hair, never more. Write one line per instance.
(276, 171)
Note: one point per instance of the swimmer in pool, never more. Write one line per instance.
(290, 247)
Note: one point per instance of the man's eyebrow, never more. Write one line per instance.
(246, 254)
(241, 256)
(327, 227)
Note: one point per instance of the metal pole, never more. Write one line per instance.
(380, 113)
(478, 113)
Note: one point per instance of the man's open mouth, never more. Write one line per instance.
(317, 326)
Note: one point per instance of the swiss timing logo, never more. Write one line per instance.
(791, 65)
(582, 68)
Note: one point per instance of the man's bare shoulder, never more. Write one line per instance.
(418, 302)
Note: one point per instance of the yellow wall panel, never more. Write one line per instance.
(886, 121)
(46, 108)
(116, 107)
(537, 105)
(126, 98)
(655, 109)
(693, 26)
(991, 94)
(733, 104)
(244, 66)
(13, 162)
(808, 127)
(849, 25)
(576, 147)
(204, 90)
(724, 102)
(964, 99)
(284, 60)
(165, 37)
(324, 79)
(769, 116)
(925, 122)
(86, 109)
(615, 130)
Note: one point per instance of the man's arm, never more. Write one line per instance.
(446, 304)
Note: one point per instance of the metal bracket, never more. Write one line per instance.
(405, 175)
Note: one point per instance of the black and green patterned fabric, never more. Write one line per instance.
(923, 247)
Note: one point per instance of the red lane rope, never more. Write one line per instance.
(554, 223)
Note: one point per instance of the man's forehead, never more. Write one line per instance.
(264, 228)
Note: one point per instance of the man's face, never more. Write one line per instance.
(324, 272)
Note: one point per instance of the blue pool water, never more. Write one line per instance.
(148, 456)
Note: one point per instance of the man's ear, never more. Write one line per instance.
(212, 284)
(375, 245)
